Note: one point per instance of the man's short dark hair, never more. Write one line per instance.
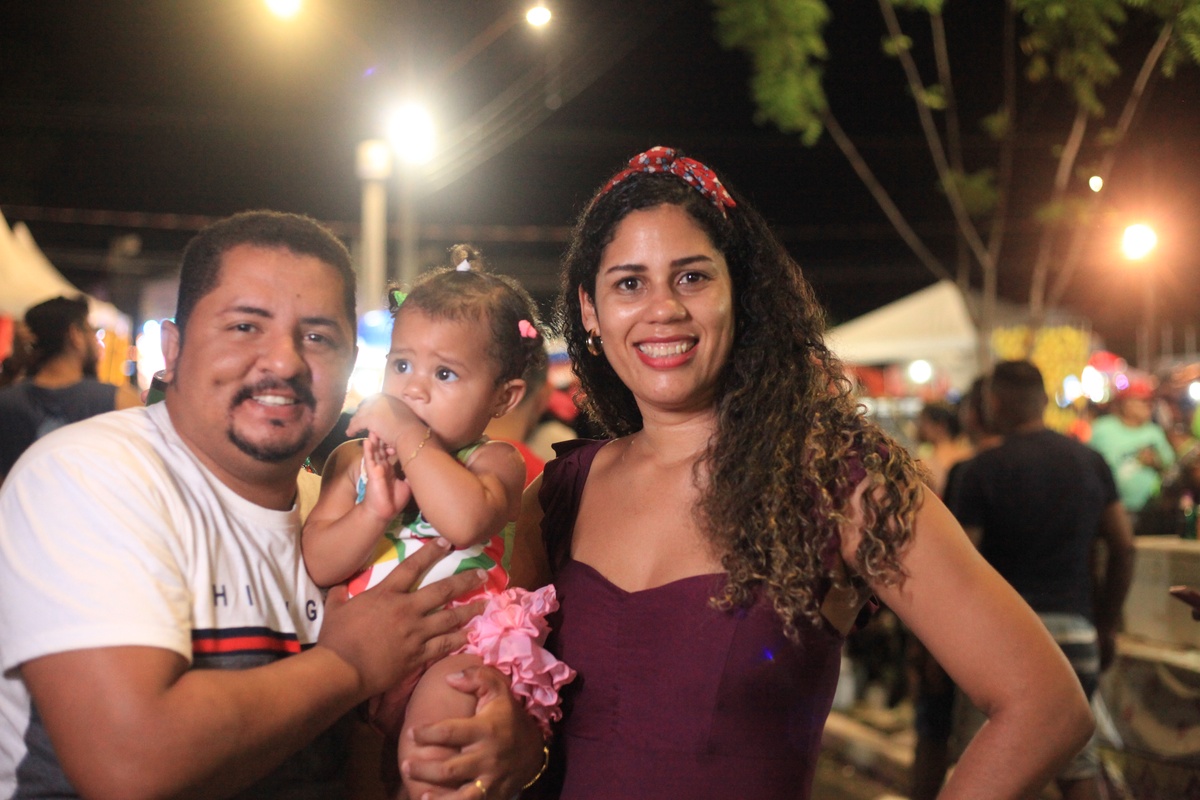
(50, 322)
(300, 234)
(1019, 393)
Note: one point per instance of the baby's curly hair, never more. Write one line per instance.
(451, 293)
(791, 443)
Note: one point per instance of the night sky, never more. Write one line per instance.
(180, 110)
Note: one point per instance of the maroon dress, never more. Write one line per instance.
(673, 697)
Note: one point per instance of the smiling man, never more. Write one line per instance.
(159, 634)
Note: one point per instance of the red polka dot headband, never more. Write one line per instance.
(664, 159)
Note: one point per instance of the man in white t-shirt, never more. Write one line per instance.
(159, 635)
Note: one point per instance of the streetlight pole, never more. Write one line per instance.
(1137, 243)
(411, 130)
(374, 167)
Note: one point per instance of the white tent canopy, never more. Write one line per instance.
(932, 324)
(27, 278)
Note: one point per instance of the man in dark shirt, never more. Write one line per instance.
(1036, 505)
(62, 386)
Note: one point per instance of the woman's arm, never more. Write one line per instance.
(995, 648)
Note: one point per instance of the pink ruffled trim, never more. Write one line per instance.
(509, 635)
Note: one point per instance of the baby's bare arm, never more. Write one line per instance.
(340, 534)
(467, 504)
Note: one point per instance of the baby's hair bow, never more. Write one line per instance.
(527, 330)
(463, 266)
(398, 297)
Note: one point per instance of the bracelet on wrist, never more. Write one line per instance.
(540, 772)
(417, 451)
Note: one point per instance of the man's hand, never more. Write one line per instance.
(388, 632)
(500, 745)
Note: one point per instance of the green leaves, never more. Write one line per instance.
(785, 41)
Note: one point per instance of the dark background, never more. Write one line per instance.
(152, 116)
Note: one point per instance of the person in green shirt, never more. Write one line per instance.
(1134, 446)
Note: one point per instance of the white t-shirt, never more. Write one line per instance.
(113, 533)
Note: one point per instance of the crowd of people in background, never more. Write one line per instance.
(734, 501)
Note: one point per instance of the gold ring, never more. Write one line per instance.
(482, 789)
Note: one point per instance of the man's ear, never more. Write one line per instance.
(172, 342)
(587, 312)
(508, 397)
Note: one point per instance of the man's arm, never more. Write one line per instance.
(1117, 576)
(131, 722)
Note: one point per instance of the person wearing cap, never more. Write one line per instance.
(1135, 447)
(62, 386)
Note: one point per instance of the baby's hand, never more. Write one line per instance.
(387, 493)
(385, 417)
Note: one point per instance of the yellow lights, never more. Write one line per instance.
(538, 15)
(284, 9)
(1095, 183)
(1138, 241)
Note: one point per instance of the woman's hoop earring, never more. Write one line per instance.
(595, 345)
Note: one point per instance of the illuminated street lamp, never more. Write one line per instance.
(1137, 242)
(538, 15)
(284, 9)
(410, 131)
(413, 137)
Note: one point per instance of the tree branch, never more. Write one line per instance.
(933, 138)
(1082, 233)
(893, 213)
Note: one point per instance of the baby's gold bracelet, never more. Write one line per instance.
(545, 763)
(417, 452)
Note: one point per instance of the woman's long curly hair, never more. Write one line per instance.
(791, 442)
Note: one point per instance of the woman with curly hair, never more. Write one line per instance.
(711, 556)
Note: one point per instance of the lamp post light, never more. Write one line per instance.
(374, 166)
(1137, 242)
(410, 130)
(284, 9)
(412, 138)
(537, 15)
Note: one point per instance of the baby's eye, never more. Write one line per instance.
(445, 374)
(402, 366)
